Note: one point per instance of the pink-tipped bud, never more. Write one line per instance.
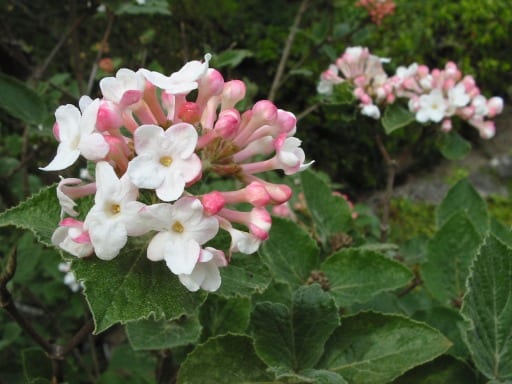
(495, 106)
(360, 81)
(189, 112)
(213, 202)
(264, 111)
(466, 112)
(280, 193)
(422, 70)
(487, 129)
(109, 117)
(131, 97)
(446, 125)
(233, 92)
(55, 131)
(282, 210)
(448, 83)
(452, 71)
(210, 85)
(469, 83)
(257, 194)
(228, 123)
(260, 222)
(286, 121)
(118, 152)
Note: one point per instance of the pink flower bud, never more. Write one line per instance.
(131, 97)
(422, 70)
(495, 106)
(210, 85)
(189, 112)
(109, 117)
(233, 92)
(213, 202)
(446, 125)
(55, 131)
(260, 223)
(228, 123)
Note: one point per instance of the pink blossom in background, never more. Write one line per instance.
(377, 9)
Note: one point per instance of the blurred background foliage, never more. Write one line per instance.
(62, 49)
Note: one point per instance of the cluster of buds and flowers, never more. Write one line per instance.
(433, 95)
(377, 9)
(149, 133)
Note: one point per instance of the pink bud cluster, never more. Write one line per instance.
(377, 9)
(166, 135)
(432, 95)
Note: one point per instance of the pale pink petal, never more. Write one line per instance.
(172, 187)
(147, 139)
(107, 247)
(182, 256)
(183, 139)
(68, 119)
(145, 172)
(93, 147)
(63, 159)
(156, 247)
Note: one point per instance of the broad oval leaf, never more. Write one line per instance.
(453, 146)
(462, 197)
(356, 275)
(396, 117)
(21, 101)
(225, 359)
(374, 348)
(290, 253)
(487, 307)
(131, 287)
(449, 255)
(292, 339)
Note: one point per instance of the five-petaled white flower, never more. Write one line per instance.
(166, 160)
(431, 107)
(76, 133)
(182, 229)
(115, 214)
(125, 89)
(183, 81)
(206, 273)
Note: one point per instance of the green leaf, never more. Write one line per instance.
(292, 339)
(447, 321)
(36, 365)
(487, 307)
(342, 94)
(376, 348)
(162, 334)
(463, 197)
(131, 287)
(396, 117)
(129, 367)
(150, 7)
(21, 101)
(289, 253)
(444, 369)
(356, 275)
(226, 359)
(220, 316)
(453, 146)
(450, 254)
(244, 276)
(319, 376)
(331, 214)
(230, 58)
(39, 214)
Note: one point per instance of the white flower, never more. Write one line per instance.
(77, 136)
(71, 237)
(457, 96)
(182, 229)
(166, 160)
(371, 110)
(183, 81)
(125, 89)
(431, 107)
(290, 157)
(206, 273)
(114, 215)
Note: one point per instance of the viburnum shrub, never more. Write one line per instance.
(149, 133)
(432, 95)
(177, 200)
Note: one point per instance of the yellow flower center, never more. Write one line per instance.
(166, 161)
(115, 209)
(178, 227)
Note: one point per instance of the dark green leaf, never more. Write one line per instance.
(161, 334)
(245, 275)
(20, 101)
(225, 359)
(395, 117)
(453, 146)
(450, 254)
(376, 348)
(463, 197)
(220, 316)
(331, 214)
(39, 214)
(36, 366)
(230, 58)
(129, 367)
(292, 339)
(131, 287)
(289, 253)
(356, 275)
(444, 369)
(487, 307)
